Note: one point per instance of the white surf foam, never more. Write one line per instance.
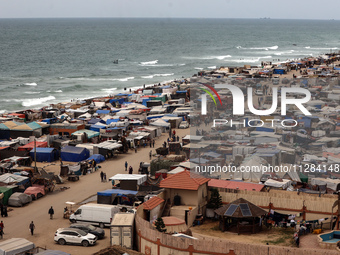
(58, 91)
(124, 79)
(198, 68)
(149, 63)
(36, 101)
(109, 90)
(30, 84)
(212, 67)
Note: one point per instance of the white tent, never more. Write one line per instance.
(160, 123)
(277, 184)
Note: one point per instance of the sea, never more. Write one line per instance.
(45, 61)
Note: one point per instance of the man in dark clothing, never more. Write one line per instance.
(153, 143)
(51, 212)
(101, 176)
(32, 227)
(126, 165)
(130, 170)
(150, 154)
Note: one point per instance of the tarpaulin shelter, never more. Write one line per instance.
(74, 154)
(108, 196)
(7, 193)
(89, 133)
(45, 154)
(16, 246)
(9, 179)
(97, 157)
(30, 146)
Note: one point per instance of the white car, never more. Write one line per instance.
(184, 124)
(259, 92)
(74, 236)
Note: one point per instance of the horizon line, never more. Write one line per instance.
(211, 18)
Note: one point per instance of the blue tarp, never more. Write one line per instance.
(145, 100)
(119, 100)
(74, 154)
(97, 157)
(118, 192)
(49, 121)
(111, 120)
(45, 154)
(279, 71)
(103, 111)
(97, 128)
(181, 91)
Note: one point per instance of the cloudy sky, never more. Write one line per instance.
(287, 9)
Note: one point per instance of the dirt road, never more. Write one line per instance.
(16, 224)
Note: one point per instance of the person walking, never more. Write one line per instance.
(126, 165)
(32, 227)
(101, 176)
(153, 143)
(104, 177)
(130, 170)
(51, 212)
(1, 233)
(2, 226)
(150, 154)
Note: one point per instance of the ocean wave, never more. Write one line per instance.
(259, 48)
(157, 75)
(307, 47)
(211, 57)
(248, 60)
(30, 84)
(149, 63)
(58, 91)
(109, 90)
(124, 79)
(284, 53)
(212, 67)
(3, 111)
(36, 101)
(324, 49)
(198, 68)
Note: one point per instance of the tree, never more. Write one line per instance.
(160, 226)
(215, 201)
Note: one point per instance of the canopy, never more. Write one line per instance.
(13, 178)
(15, 246)
(30, 146)
(140, 178)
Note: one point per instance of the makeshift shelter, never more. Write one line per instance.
(129, 181)
(116, 196)
(74, 154)
(9, 179)
(240, 216)
(16, 246)
(19, 199)
(45, 154)
(30, 146)
(97, 157)
(7, 193)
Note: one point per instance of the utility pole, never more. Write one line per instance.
(35, 154)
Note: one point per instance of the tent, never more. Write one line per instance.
(45, 154)
(74, 154)
(97, 157)
(19, 199)
(7, 193)
(9, 179)
(16, 246)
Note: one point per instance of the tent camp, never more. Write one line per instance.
(74, 154)
(30, 146)
(9, 179)
(45, 154)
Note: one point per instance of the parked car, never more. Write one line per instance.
(74, 236)
(88, 228)
(259, 92)
(184, 124)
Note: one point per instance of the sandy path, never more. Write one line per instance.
(16, 225)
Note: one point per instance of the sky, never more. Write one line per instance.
(274, 9)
